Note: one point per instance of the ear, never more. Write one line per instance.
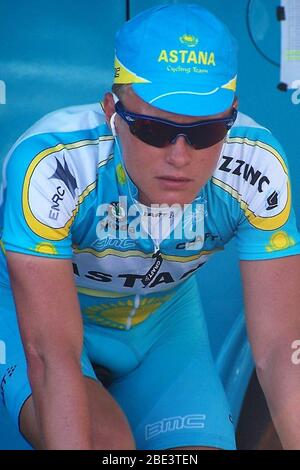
(108, 106)
(235, 103)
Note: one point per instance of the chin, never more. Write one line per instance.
(171, 199)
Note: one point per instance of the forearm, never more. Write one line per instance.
(61, 404)
(280, 381)
(52, 333)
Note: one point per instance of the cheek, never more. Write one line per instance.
(140, 158)
(133, 156)
(129, 150)
(208, 158)
(136, 161)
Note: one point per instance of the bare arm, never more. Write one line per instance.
(51, 329)
(272, 297)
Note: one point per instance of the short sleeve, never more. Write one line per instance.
(40, 199)
(267, 228)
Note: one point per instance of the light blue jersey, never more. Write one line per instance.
(67, 165)
(142, 316)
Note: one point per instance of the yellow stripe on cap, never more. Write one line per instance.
(231, 85)
(124, 75)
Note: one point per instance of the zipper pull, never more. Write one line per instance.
(153, 270)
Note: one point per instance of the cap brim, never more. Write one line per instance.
(190, 103)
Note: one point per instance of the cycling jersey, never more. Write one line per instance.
(141, 310)
(67, 164)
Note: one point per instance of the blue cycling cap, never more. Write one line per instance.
(179, 58)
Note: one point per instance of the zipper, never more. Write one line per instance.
(136, 304)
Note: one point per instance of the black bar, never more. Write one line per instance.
(282, 86)
(280, 13)
(127, 10)
(134, 459)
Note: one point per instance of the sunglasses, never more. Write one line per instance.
(162, 132)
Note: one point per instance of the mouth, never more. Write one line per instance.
(174, 178)
(174, 182)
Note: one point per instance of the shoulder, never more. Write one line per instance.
(250, 157)
(53, 167)
(248, 136)
(67, 120)
(64, 141)
(252, 169)
(64, 128)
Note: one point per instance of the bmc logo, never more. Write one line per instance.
(175, 423)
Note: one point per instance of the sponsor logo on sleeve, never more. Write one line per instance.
(52, 192)
(272, 201)
(62, 173)
(258, 180)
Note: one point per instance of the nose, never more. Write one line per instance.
(179, 152)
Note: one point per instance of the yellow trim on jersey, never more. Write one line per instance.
(182, 259)
(263, 223)
(111, 251)
(2, 248)
(105, 138)
(104, 162)
(141, 254)
(35, 225)
(104, 293)
(100, 293)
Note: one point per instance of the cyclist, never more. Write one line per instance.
(107, 215)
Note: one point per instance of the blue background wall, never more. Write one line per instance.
(59, 53)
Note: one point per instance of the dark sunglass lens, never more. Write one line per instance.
(151, 132)
(207, 135)
(160, 134)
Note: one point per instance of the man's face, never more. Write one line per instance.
(169, 175)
